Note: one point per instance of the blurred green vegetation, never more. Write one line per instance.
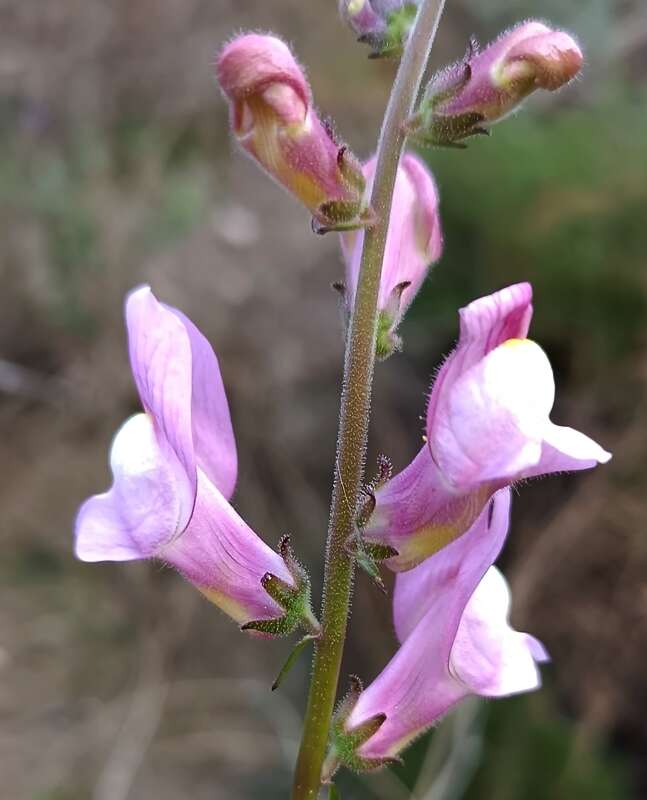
(548, 199)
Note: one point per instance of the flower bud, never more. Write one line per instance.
(414, 241)
(383, 24)
(274, 121)
(487, 85)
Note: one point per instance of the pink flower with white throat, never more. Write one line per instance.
(487, 85)
(487, 426)
(174, 469)
(451, 619)
(275, 122)
(414, 242)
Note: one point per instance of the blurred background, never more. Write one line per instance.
(116, 168)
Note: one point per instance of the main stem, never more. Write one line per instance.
(355, 408)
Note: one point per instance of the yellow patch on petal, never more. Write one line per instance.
(355, 6)
(431, 538)
(518, 342)
(233, 609)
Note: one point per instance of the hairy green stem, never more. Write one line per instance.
(354, 413)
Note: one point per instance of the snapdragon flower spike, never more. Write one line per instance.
(451, 618)
(383, 24)
(487, 85)
(274, 121)
(414, 242)
(174, 469)
(487, 426)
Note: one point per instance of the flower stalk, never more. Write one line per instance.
(354, 413)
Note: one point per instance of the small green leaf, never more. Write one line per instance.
(333, 792)
(289, 663)
(369, 566)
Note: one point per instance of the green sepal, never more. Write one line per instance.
(291, 659)
(345, 742)
(351, 169)
(370, 567)
(383, 473)
(368, 502)
(387, 340)
(368, 556)
(444, 86)
(366, 507)
(379, 552)
(440, 130)
(294, 600)
(429, 126)
(374, 550)
(342, 215)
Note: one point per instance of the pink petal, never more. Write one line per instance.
(220, 554)
(566, 450)
(484, 324)
(492, 420)
(143, 509)
(488, 656)
(459, 566)
(418, 512)
(213, 435)
(451, 616)
(160, 357)
(414, 238)
(416, 687)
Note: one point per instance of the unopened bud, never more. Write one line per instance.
(383, 24)
(274, 121)
(487, 85)
(414, 241)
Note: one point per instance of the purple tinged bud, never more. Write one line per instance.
(488, 425)
(451, 618)
(174, 469)
(383, 24)
(275, 122)
(487, 85)
(414, 242)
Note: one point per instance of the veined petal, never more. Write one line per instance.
(488, 656)
(495, 416)
(213, 435)
(221, 555)
(160, 356)
(143, 509)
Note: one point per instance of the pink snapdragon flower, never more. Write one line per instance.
(489, 84)
(414, 242)
(451, 619)
(275, 122)
(174, 469)
(487, 426)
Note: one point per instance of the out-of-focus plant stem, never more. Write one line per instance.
(355, 407)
